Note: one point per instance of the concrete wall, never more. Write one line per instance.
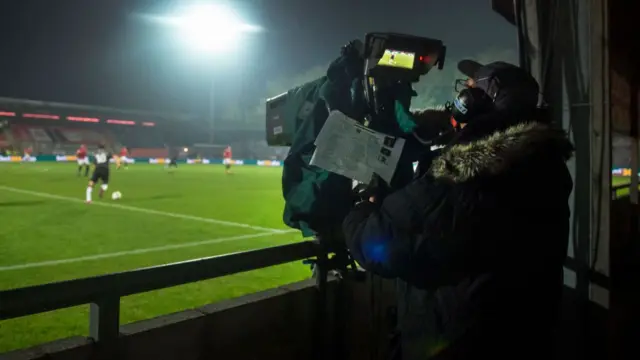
(274, 324)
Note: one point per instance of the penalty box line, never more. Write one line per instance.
(143, 210)
(137, 252)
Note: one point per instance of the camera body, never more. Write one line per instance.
(278, 133)
(391, 57)
(391, 63)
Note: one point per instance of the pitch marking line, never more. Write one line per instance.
(142, 210)
(137, 252)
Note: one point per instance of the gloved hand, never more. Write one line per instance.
(375, 191)
(434, 125)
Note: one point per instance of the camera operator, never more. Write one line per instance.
(477, 241)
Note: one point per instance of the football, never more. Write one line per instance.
(116, 195)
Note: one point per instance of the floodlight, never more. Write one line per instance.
(211, 27)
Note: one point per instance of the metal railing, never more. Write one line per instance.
(618, 191)
(103, 292)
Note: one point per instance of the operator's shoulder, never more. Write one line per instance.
(429, 181)
(426, 189)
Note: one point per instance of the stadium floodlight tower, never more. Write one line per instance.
(214, 29)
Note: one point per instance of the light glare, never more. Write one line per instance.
(212, 27)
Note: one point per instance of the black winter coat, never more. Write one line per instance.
(477, 244)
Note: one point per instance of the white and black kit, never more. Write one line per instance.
(101, 172)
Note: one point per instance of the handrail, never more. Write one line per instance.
(615, 188)
(103, 292)
(620, 186)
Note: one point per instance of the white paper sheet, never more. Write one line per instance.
(348, 148)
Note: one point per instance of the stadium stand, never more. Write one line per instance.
(150, 152)
(59, 128)
(57, 139)
(139, 137)
(4, 142)
(56, 128)
(64, 138)
(61, 135)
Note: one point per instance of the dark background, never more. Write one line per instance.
(107, 52)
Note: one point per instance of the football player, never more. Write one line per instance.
(124, 153)
(101, 161)
(83, 160)
(226, 155)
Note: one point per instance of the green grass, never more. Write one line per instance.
(36, 229)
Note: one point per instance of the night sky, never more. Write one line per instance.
(105, 52)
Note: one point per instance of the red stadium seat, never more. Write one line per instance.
(80, 136)
(150, 152)
(3, 139)
(21, 133)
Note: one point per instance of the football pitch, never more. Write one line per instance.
(48, 233)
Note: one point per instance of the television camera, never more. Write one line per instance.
(366, 82)
(386, 65)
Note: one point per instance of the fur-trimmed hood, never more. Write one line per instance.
(496, 153)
